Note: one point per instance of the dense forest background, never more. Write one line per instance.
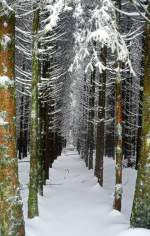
(73, 73)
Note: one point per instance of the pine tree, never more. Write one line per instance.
(91, 120)
(33, 184)
(118, 140)
(118, 127)
(11, 215)
(141, 206)
(101, 122)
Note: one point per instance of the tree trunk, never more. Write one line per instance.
(41, 131)
(118, 145)
(118, 128)
(100, 143)
(11, 216)
(139, 131)
(91, 119)
(141, 206)
(33, 184)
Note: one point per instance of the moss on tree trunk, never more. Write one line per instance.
(11, 215)
(141, 206)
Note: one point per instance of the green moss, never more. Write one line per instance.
(3, 150)
(11, 216)
(141, 206)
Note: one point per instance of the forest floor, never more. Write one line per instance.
(75, 205)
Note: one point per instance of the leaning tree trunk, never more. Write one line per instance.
(141, 206)
(33, 184)
(11, 216)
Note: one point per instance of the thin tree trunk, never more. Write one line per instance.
(118, 145)
(40, 148)
(20, 139)
(139, 132)
(100, 137)
(91, 119)
(118, 129)
(33, 184)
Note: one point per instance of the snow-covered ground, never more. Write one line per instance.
(75, 205)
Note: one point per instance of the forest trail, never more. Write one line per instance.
(74, 204)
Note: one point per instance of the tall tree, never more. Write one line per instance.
(100, 143)
(11, 216)
(118, 144)
(118, 127)
(141, 206)
(91, 119)
(33, 184)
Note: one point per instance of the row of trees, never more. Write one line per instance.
(114, 100)
(81, 67)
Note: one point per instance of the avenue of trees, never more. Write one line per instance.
(75, 69)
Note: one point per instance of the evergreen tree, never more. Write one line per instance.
(141, 206)
(33, 184)
(11, 215)
(100, 136)
(118, 127)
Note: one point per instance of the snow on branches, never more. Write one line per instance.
(7, 8)
(55, 9)
(100, 26)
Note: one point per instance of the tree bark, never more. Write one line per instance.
(33, 184)
(118, 144)
(141, 206)
(100, 143)
(11, 215)
(91, 120)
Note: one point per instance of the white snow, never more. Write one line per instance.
(6, 6)
(5, 24)
(54, 10)
(5, 41)
(103, 20)
(135, 232)
(33, 114)
(74, 204)
(6, 81)
(3, 122)
(67, 8)
(3, 115)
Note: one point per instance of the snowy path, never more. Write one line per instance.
(74, 204)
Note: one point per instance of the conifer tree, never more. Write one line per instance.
(101, 121)
(11, 216)
(33, 184)
(118, 126)
(141, 206)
